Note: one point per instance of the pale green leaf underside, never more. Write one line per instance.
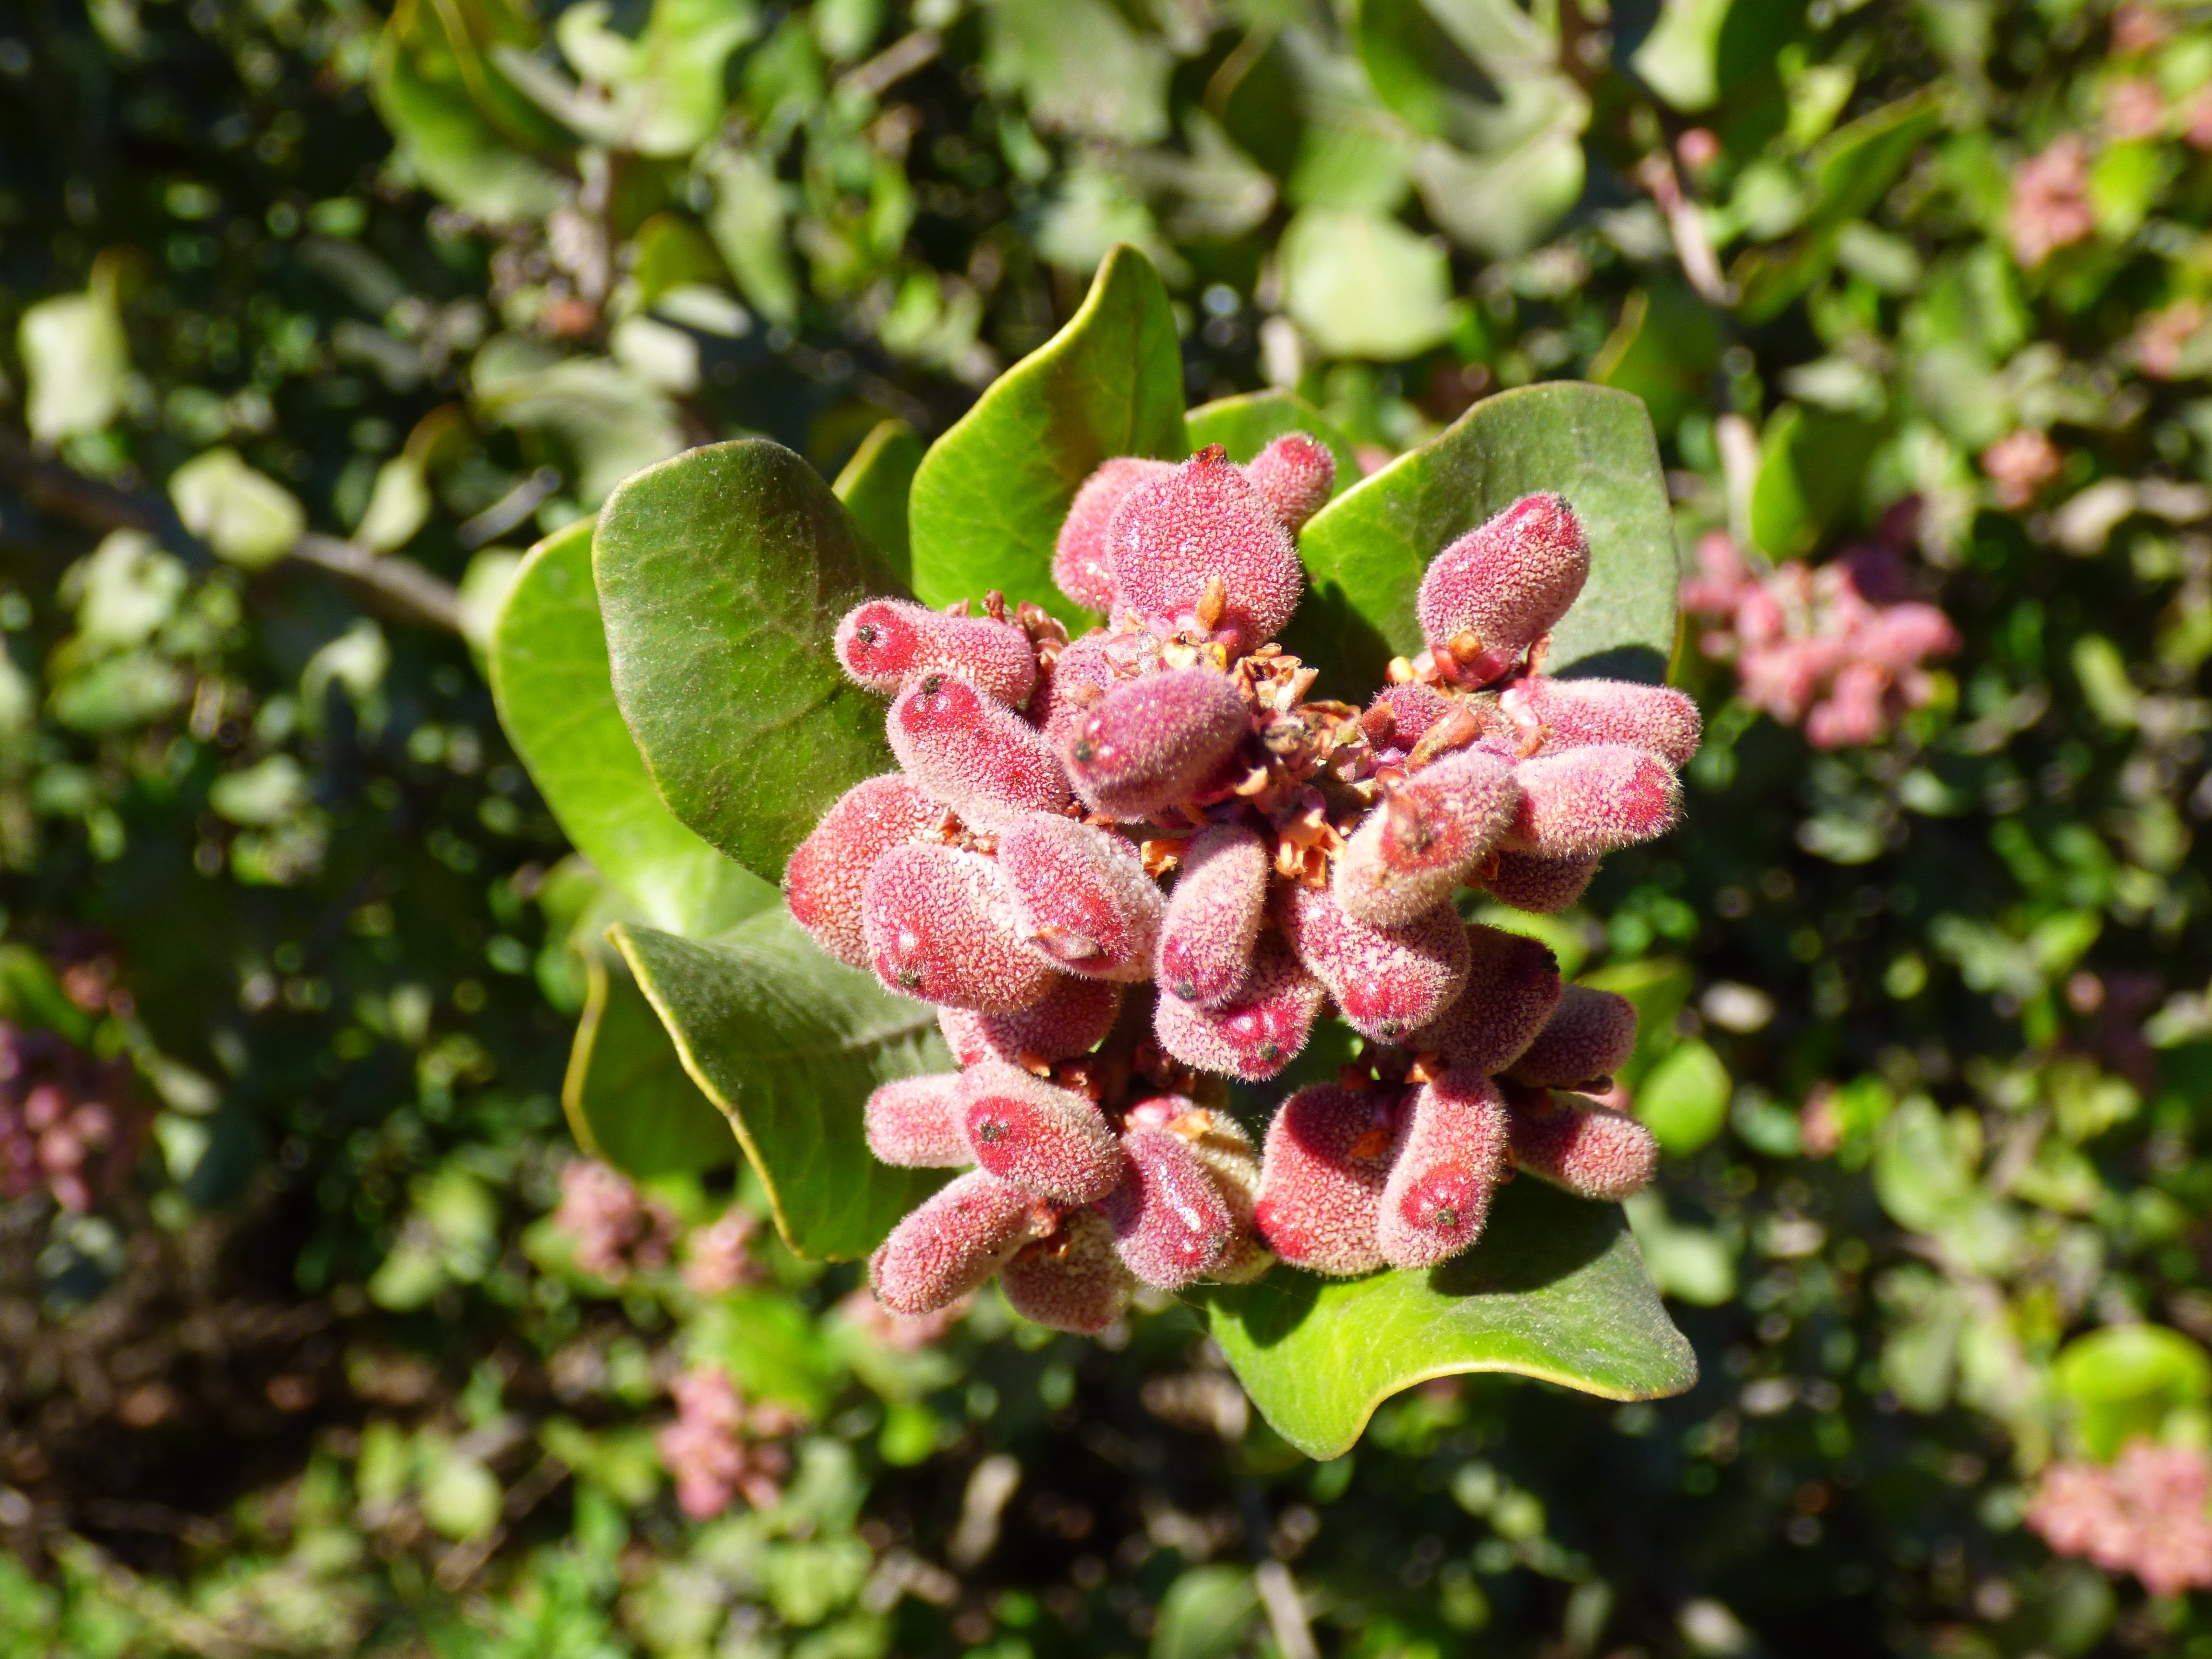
(1366, 551)
(990, 497)
(874, 486)
(1556, 1289)
(790, 1043)
(551, 680)
(627, 1097)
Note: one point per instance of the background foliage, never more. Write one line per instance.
(320, 314)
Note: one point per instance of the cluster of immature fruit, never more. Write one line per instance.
(1010, 872)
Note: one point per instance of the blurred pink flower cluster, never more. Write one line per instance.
(902, 1333)
(2049, 208)
(64, 1124)
(1828, 649)
(719, 1448)
(2149, 1514)
(617, 1229)
(718, 1257)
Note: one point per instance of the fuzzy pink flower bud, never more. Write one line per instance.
(1156, 740)
(1081, 897)
(1257, 1033)
(1041, 1138)
(1322, 1176)
(1512, 988)
(1584, 803)
(1572, 713)
(1590, 1035)
(915, 1122)
(982, 760)
(1085, 669)
(1451, 1155)
(1502, 587)
(1170, 1221)
(1201, 551)
(954, 1240)
(1574, 1144)
(1401, 715)
(1425, 837)
(1071, 1019)
(1541, 886)
(1294, 474)
(886, 643)
(1082, 559)
(1223, 1145)
(1075, 1280)
(1386, 981)
(937, 925)
(1213, 916)
(823, 881)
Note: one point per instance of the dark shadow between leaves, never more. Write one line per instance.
(1329, 634)
(1639, 663)
(1539, 1236)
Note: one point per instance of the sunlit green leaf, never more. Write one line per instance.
(721, 577)
(1554, 1289)
(990, 494)
(1367, 550)
(790, 1043)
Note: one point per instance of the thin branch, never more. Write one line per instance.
(404, 586)
(893, 63)
(409, 588)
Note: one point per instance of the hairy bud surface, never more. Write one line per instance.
(1497, 590)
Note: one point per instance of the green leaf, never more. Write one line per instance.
(874, 487)
(1810, 464)
(1367, 550)
(1362, 285)
(464, 129)
(77, 360)
(789, 1043)
(2122, 1382)
(1245, 424)
(1851, 170)
(990, 494)
(627, 1096)
(1665, 350)
(551, 682)
(1684, 1099)
(1205, 1613)
(245, 516)
(721, 576)
(1555, 1290)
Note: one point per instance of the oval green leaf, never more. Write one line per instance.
(1245, 424)
(627, 1097)
(991, 493)
(551, 684)
(1555, 1290)
(1367, 550)
(721, 577)
(789, 1043)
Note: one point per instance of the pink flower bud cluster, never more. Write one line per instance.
(1811, 648)
(2149, 1514)
(65, 1121)
(1011, 873)
(2050, 207)
(718, 1258)
(719, 1449)
(615, 1230)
